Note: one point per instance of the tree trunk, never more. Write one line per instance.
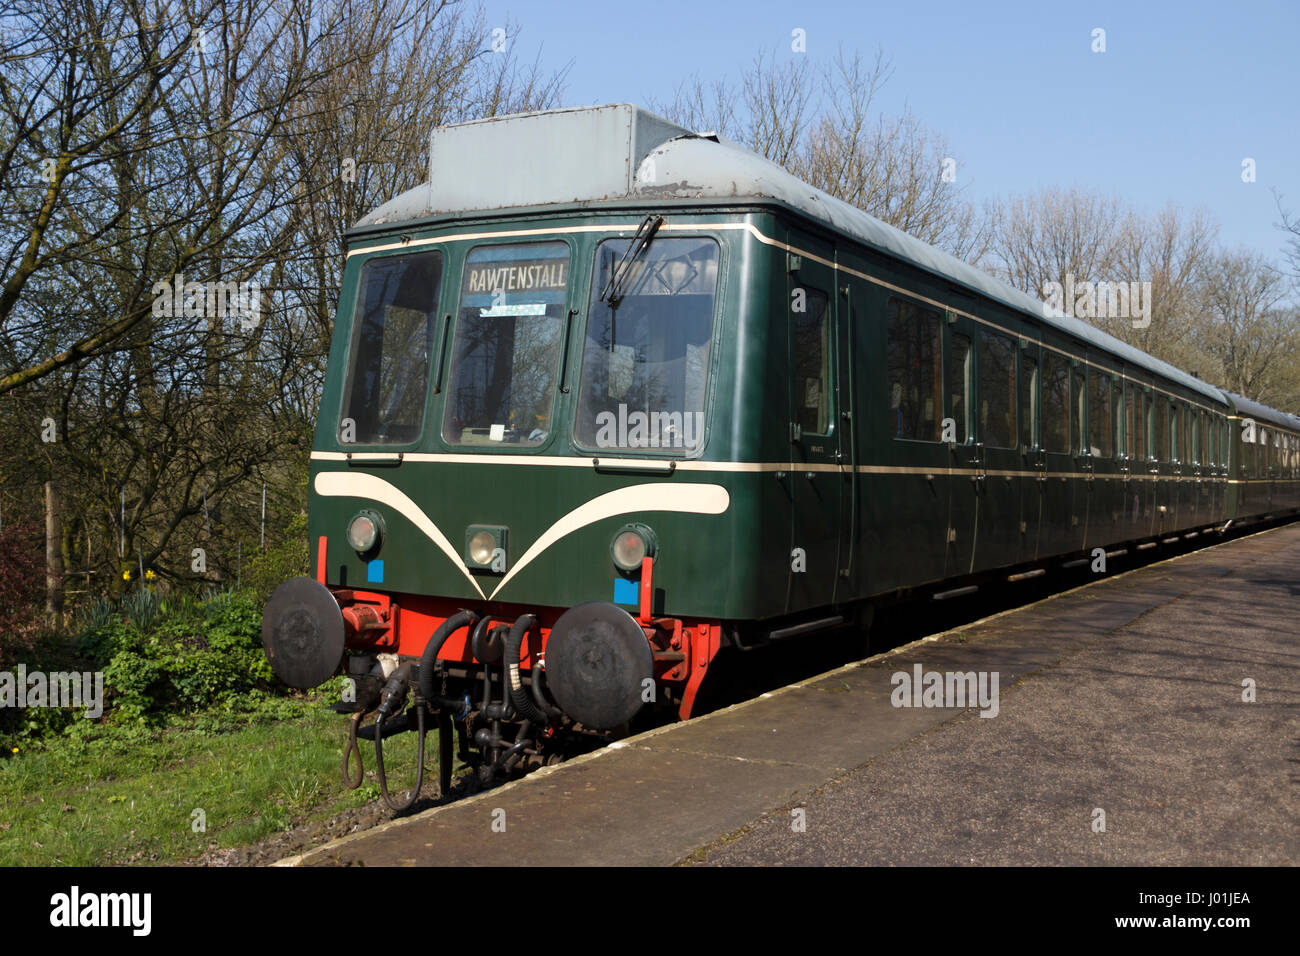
(53, 556)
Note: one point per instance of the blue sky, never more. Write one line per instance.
(1183, 93)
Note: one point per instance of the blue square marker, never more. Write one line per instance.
(626, 592)
(375, 572)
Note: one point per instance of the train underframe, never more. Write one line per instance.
(478, 673)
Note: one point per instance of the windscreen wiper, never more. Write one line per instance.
(645, 234)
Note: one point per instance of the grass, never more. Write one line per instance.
(110, 796)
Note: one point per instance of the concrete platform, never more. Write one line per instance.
(1123, 696)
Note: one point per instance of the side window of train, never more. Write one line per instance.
(812, 355)
(1056, 403)
(1175, 441)
(1175, 446)
(1130, 417)
(1099, 424)
(1178, 425)
(1028, 400)
(1148, 428)
(1138, 424)
(959, 382)
(915, 375)
(1162, 428)
(997, 391)
(1079, 433)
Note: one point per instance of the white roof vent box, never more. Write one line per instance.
(554, 156)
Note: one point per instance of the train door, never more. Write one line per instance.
(907, 472)
(1211, 471)
(967, 470)
(1082, 458)
(817, 436)
(1187, 482)
(1196, 487)
(1218, 470)
(1057, 467)
(1267, 460)
(1174, 486)
(997, 437)
(1166, 497)
(1033, 462)
(1137, 485)
(1129, 465)
(1148, 461)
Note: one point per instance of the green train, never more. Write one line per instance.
(606, 396)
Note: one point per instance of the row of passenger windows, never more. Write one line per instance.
(1071, 407)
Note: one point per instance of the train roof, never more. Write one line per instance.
(621, 153)
(1250, 409)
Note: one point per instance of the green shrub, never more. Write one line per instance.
(290, 558)
(164, 658)
(134, 683)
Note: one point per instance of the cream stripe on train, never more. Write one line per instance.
(659, 496)
(342, 484)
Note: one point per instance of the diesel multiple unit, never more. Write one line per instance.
(606, 396)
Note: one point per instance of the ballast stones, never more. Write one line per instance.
(302, 633)
(598, 662)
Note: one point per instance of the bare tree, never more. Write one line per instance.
(234, 141)
(824, 127)
(1290, 224)
(703, 107)
(1252, 333)
(150, 131)
(1172, 252)
(1054, 235)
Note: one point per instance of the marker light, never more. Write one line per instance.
(364, 532)
(631, 545)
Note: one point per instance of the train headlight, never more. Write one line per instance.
(365, 532)
(485, 547)
(632, 544)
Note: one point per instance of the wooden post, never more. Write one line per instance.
(53, 555)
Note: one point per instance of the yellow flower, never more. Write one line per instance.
(126, 575)
(15, 750)
(149, 575)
